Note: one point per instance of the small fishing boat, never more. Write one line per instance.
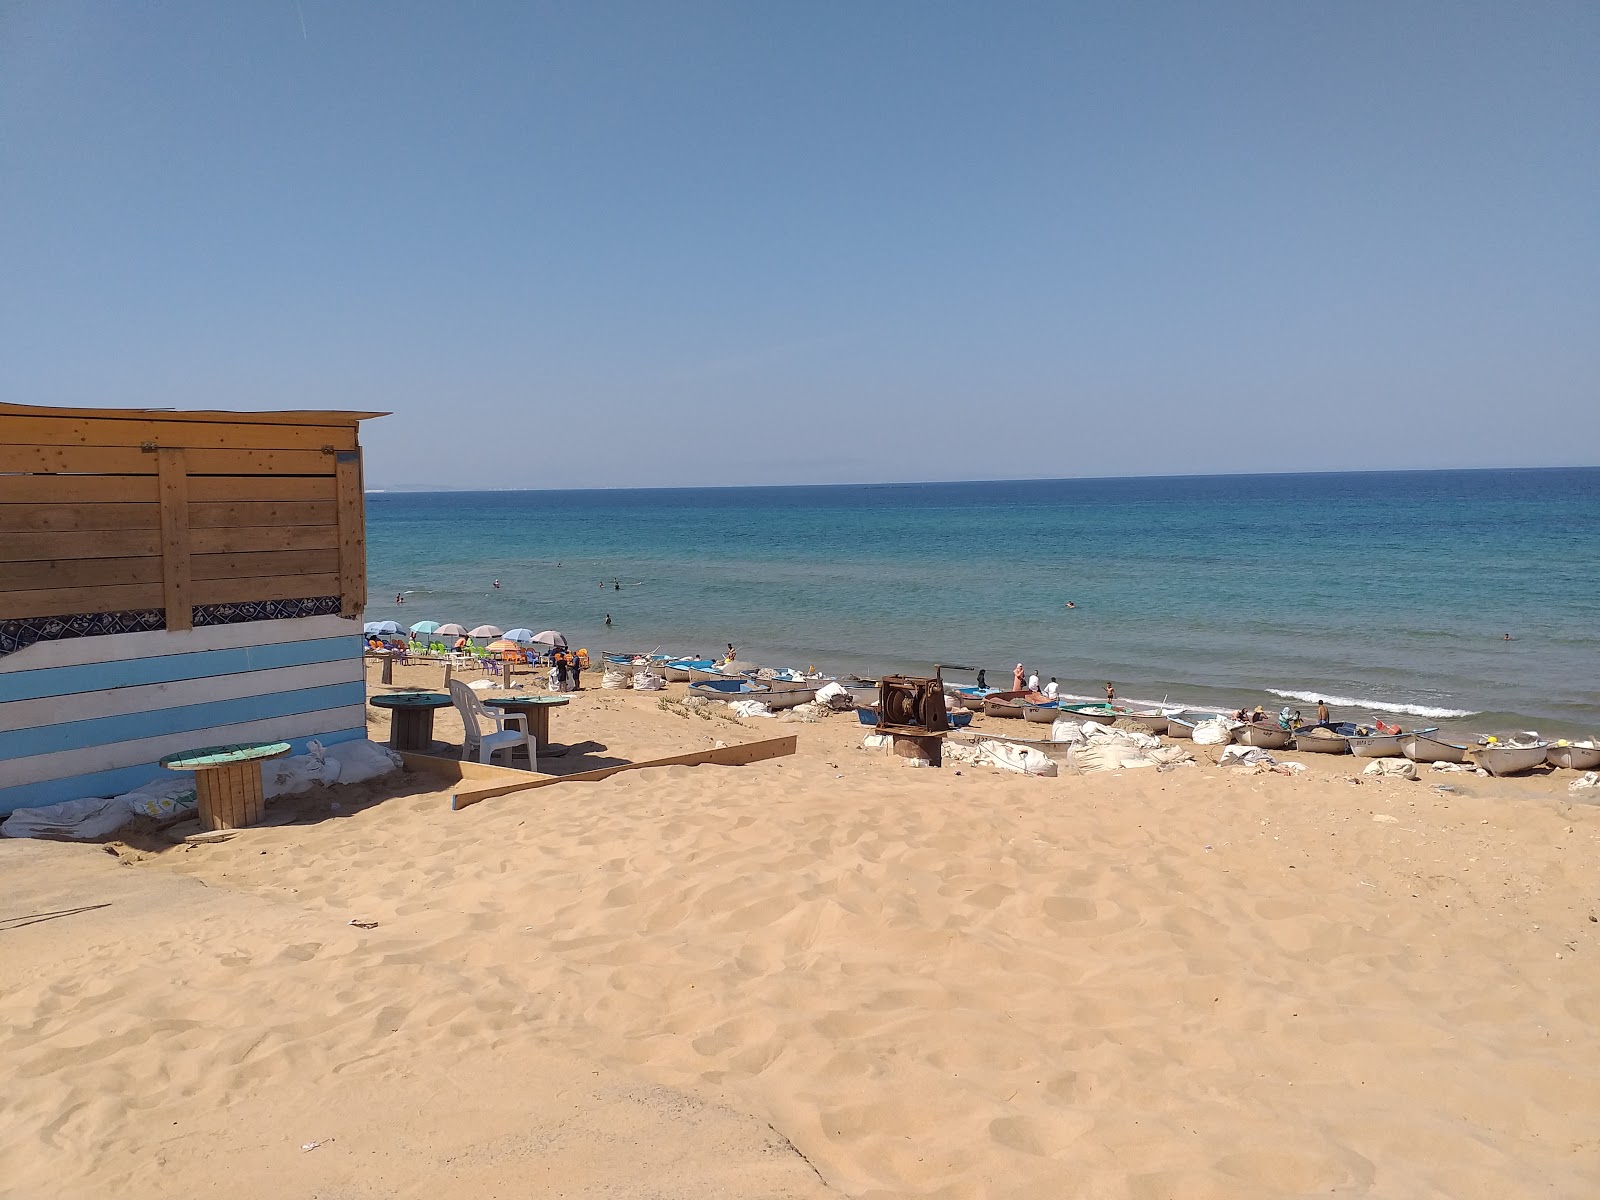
(1041, 714)
(1510, 757)
(678, 670)
(1181, 724)
(867, 714)
(1419, 747)
(1056, 750)
(1263, 736)
(731, 689)
(1152, 719)
(862, 691)
(1579, 756)
(1322, 739)
(787, 693)
(1100, 714)
(1008, 704)
(970, 698)
(713, 673)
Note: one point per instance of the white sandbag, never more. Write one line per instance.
(1398, 768)
(483, 685)
(93, 817)
(1024, 760)
(361, 760)
(806, 714)
(1245, 756)
(1213, 733)
(961, 752)
(616, 680)
(1107, 754)
(1589, 779)
(693, 701)
(836, 697)
(648, 681)
(170, 796)
(1066, 731)
(1458, 768)
(879, 741)
(811, 711)
(1142, 739)
(750, 708)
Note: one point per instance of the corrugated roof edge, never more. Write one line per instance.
(294, 417)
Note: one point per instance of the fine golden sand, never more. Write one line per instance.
(820, 975)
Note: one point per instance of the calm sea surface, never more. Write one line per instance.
(1383, 592)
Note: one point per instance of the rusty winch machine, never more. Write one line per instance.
(911, 711)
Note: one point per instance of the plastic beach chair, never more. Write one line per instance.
(510, 729)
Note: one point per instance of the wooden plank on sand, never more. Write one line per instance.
(722, 756)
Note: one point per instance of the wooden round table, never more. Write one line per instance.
(411, 721)
(227, 781)
(537, 709)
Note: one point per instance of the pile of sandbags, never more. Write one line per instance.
(1115, 754)
(1216, 732)
(837, 698)
(648, 681)
(616, 680)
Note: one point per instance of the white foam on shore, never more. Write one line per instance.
(1415, 710)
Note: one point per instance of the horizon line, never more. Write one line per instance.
(432, 489)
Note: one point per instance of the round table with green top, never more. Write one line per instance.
(411, 717)
(537, 709)
(227, 781)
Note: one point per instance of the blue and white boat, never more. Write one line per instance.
(731, 689)
(677, 670)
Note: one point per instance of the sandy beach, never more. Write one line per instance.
(825, 974)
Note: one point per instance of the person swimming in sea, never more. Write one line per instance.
(497, 584)
(608, 618)
(1070, 604)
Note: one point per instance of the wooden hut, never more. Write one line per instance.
(170, 580)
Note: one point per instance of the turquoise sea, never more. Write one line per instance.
(1383, 592)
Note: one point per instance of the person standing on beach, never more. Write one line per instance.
(575, 668)
(982, 683)
(1111, 692)
(732, 653)
(1052, 689)
(561, 670)
(1322, 712)
(1018, 677)
(1033, 682)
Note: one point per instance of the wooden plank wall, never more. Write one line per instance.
(107, 514)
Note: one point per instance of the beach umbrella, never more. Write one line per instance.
(451, 630)
(488, 631)
(425, 627)
(502, 646)
(519, 635)
(550, 638)
(380, 627)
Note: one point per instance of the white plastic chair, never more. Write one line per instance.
(482, 746)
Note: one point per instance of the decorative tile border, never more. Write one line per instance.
(20, 634)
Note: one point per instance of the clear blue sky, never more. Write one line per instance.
(818, 242)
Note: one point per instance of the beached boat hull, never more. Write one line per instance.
(1420, 748)
(972, 700)
(1577, 758)
(1058, 751)
(1004, 704)
(1327, 742)
(1155, 722)
(783, 693)
(698, 674)
(1041, 714)
(1509, 760)
(732, 689)
(1100, 714)
(1375, 745)
(679, 670)
(1181, 728)
(1264, 737)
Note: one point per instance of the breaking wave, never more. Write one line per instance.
(1415, 710)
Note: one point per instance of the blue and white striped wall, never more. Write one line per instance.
(92, 716)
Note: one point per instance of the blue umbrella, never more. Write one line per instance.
(425, 627)
(518, 635)
(380, 627)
